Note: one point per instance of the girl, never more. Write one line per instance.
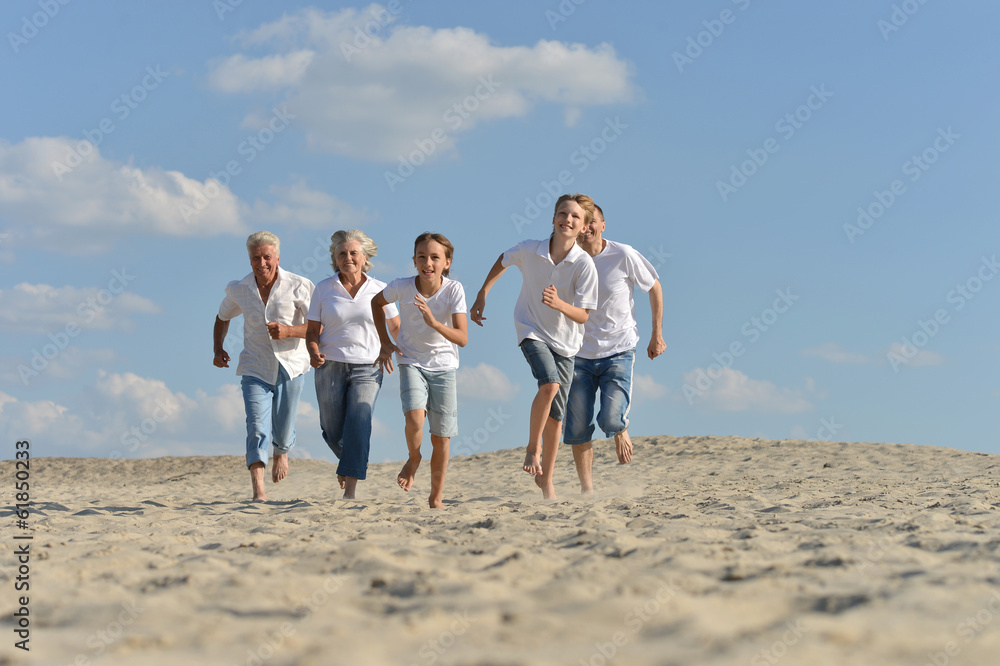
(432, 328)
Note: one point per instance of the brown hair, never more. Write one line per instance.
(449, 249)
(585, 202)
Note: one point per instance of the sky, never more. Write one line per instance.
(812, 182)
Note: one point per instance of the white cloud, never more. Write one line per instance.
(37, 366)
(645, 389)
(732, 391)
(299, 205)
(902, 354)
(44, 309)
(375, 97)
(485, 382)
(834, 353)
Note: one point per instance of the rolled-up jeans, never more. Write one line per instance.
(271, 410)
(346, 394)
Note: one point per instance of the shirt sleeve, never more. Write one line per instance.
(586, 286)
(457, 304)
(514, 256)
(229, 308)
(640, 272)
(391, 291)
(316, 303)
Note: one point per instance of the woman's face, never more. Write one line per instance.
(350, 258)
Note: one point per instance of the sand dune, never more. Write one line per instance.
(704, 550)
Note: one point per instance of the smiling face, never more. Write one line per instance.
(350, 258)
(264, 261)
(569, 219)
(593, 231)
(432, 261)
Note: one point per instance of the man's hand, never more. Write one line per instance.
(277, 331)
(221, 359)
(316, 360)
(656, 346)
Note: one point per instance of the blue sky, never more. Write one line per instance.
(811, 180)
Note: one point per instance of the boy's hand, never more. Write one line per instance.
(550, 297)
(384, 359)
(476, 312)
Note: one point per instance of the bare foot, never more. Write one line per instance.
(279, 467)
(349, 485)
(407, 475)
(341, 480)
(532, 463)
(548, 490)
(623, 446)
(257, 482)
(435, 502)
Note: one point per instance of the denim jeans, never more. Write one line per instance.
(613, 376)
(435, 392)
(271, 413)
(548, 367)
(346, 393)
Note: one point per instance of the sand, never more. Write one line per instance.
(704, 550)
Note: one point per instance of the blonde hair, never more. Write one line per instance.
(368, 246)
(585, 202)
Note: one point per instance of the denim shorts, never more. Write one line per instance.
(435, 392)
(346, 394)
(548, 367)
(613, 376)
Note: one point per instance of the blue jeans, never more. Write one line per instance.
(433, 391)
(346, 393)
(548, 367)
(613, 376)
(271, 410)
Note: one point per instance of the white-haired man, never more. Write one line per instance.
(604, 362)
(274, 304)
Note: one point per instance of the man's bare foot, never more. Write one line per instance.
(407, 475)
(257, 482)
(532, 463)
(623, 446)
(341, 480)
(279, 467)
(545, 483)
(435, 502)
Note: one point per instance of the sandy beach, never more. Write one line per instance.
(704, 550)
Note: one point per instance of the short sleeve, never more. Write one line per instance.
(586, 286)
(229, 308)
(457, 303)
(391, 292)
(640, 272)
(316, 304)
(514, 256)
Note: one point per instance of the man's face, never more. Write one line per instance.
(594, 230)
(264, 261)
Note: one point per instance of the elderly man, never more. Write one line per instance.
(274, 304)
(607, 356)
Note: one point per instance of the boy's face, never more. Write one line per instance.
(431, 260)
(569, 218)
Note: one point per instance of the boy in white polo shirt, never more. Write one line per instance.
(558, 290)
(432, 327)
(607, 356)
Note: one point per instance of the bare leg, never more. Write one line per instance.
(439, 465)
(550, 447)
(279, 467)
(341, 480)
(257, 481)
(583, 457)
(414, 437)
(539, 416)
(623, 446)
(350, 484)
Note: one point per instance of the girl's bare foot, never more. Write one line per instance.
(407, 475)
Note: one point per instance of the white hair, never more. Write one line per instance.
(368, 246)
(263, 238)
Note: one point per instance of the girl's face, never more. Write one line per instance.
(350, 258)
(431, 260)
(568, 220)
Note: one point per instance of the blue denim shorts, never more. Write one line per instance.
(613, 376)
(434, 391)
(548, 367)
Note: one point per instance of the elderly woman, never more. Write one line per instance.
(344, 346)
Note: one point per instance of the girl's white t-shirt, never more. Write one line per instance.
(418, 343)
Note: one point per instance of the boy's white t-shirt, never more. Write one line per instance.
(349, 334)
(575, 280)
(418, 343)
(611, 327)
